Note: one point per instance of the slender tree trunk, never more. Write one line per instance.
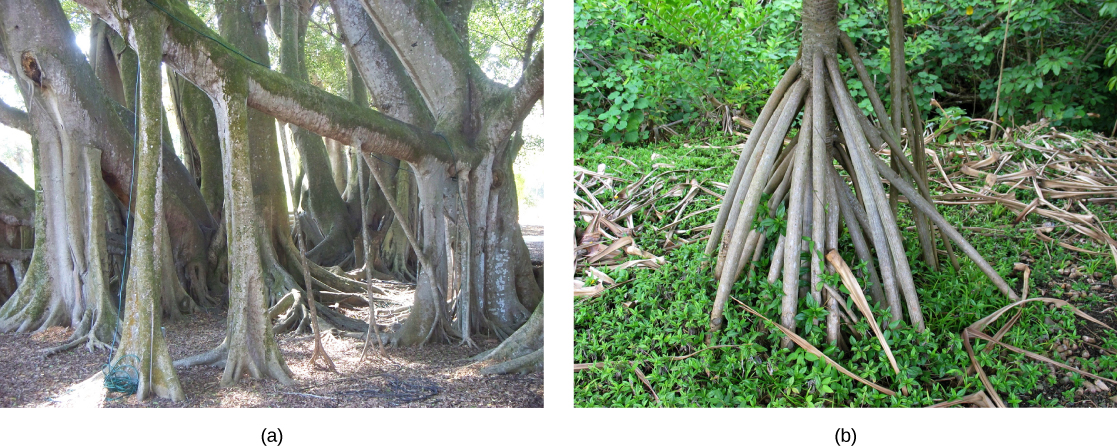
(249, 342)
(903, 108)
(143, 338)
(327, 211)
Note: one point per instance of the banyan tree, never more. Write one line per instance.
(430, 178)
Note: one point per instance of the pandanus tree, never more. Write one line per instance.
(437, 117)
(801, 175)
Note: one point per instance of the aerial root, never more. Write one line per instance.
(532, 362)
(802, 175)
(214, 358)
(319, 350)
(521, 352)
(93, 344)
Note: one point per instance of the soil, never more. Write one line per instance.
(437, 375)
(1100, 302)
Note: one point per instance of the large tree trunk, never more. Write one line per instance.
(67, 280)
(188, 213)
(505, 284)
(243, 25)
(501, 287)
(497, 288)
(249, 341)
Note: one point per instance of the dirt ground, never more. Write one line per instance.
(1101, 305)
(433, 376)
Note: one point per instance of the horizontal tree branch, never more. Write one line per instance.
(9, 255)
(517, 102)
(14, 118)
(333, 117)
(202, 57)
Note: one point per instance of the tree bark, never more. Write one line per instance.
(66, 282)
(142, 335)
(520, 353)
(249, 342)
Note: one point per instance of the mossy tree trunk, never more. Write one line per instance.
(255, 218)
(188, 214)
(66, 282)
(142, 336)
(249, 341)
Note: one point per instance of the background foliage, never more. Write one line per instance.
(648, 69)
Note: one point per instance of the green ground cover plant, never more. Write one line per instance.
(648, 330)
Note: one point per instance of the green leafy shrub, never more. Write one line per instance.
(651, 69)
(1053, 61)
(648, 69)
